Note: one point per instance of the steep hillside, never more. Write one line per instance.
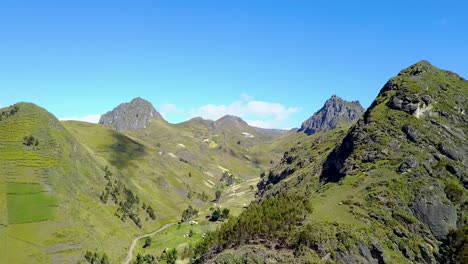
(334, 113)
(389, 190)
(49, 189)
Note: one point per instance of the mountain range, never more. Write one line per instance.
(383, 185)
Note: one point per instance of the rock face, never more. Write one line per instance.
(439, 217)
(130, 116)
(335, 112)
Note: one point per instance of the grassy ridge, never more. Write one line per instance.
(48, 193)
(388, 190)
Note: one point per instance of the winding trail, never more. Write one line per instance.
(129, 257)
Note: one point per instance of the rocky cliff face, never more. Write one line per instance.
(129, 116)
(336, 111)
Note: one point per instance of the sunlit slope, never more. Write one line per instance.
(50, 209)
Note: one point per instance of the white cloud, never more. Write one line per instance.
(214, 112)
(257, 113)
(166, 109)
(88, 118)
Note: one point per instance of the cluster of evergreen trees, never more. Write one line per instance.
(95, 258)
(149, 210)
(125, 199)
(274, 220)
(31, 141)
(170, 257)
(145, 259)
(219, 215)
(188, 213)
(9, 112)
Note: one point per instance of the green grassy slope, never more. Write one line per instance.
(170, 166)
(386, 191)
(50, 209)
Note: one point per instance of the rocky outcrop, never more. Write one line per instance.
(336, 111)
(130, 116)
(440, 218)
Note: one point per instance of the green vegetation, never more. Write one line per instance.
(148, 242)
(371, 186)
(219, 215)
(146, 259)
(188, 213)
(11, 111)
(227, 178)
(455, 247)
(28, 203)
(387, 190)
(217, 195)
(274, 221)
(124, 198)
(31, 141)
(171, 256)
(95, 258)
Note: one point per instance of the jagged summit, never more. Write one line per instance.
(334, 112)
(136, 114)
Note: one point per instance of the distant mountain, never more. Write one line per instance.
(130, 116)
(335, 111)
(390, 189)
(230, 120)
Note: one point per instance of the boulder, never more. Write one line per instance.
(437, 216)
(408, 164)
(411, 133)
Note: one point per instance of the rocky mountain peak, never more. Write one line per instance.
(136, 114)
(335, 111)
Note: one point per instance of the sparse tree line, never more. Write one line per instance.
(125, 199)
(9, 112)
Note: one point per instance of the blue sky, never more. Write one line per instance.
(274, 63)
